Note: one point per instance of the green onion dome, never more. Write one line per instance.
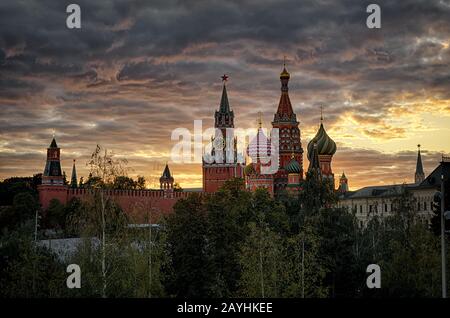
(293, 166)
(249, 169)
(325, 145)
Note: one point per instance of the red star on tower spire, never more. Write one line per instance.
(224, 78)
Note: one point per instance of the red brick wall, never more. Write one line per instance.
(215, 177)
(260, 181)
(136, 203)
(49, 192)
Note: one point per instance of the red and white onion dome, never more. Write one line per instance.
(260, 148)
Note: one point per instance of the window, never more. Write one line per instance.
(418, 206)
(370, 208)
(385, 207)
(360, 209)
(424, 206)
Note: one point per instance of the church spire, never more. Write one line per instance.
(166, 180)
(343, 183)
(166, 173)
(73, 179)
(285, 112)
(419, 175)
(224, 117)
(224, 104)
(53, 143)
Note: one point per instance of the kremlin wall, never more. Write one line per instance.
(215, 172)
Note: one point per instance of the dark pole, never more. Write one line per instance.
(443, 250)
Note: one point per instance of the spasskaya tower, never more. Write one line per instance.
(222, 163)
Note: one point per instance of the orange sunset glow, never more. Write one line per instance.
(130, 76)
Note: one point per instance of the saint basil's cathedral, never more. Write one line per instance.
(288, 174)
(289, 168)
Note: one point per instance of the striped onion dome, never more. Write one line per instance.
(260, 148)
(293, 166)
(325, 145)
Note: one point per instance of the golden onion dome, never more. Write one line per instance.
(284, 74)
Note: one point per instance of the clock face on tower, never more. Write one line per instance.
(219, 143)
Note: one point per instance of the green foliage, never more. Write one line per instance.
(94, 182)
(190, 272)
(140, 183)
(316, 193)
(408, 253)
(263, 261)
(23, 209)
(87, 219)
(305, 270)
(338, 232)
(413, 268)
(10, 187)
(228, 215)
(123, 183)
(55, 216)
(233, 243)
(28, 270)
(128, 266)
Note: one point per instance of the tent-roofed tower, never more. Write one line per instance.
(166, 180)
(285, 120)
(419, 176)
(221, 164)
(52, 171)
(343, 183)
(73, 179)
(52, 186)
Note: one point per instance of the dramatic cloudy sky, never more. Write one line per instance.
(139, 69)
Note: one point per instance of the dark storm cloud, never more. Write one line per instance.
(138, 69)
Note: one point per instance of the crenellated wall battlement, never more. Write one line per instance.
(135, 203)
